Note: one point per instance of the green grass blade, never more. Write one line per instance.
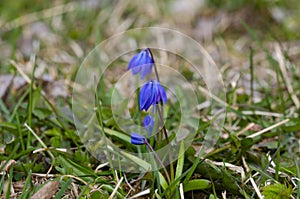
(197, 184)
(118, 134)
(7, 196)
(64, 186)
(162, 181)
(27, 186)
(180, 161)
(298, 174)
(2, 183)
(77, 169)
(30, 105)
(145, 165)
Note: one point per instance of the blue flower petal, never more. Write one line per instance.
(152, 93)
(137, 139)
(145, 94)
(141, 63)
(148, 123)
(135, 70)
(145, 70)
(133, 61)
(162, 94)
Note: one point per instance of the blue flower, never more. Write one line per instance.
(141, 63)
(151, 94)
(148, 123)
(137, 139)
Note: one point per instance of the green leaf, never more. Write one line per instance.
(180, 161)
(76, 169)
(56, 141)
(235, 143)
(27, 186)
(277, 191)
(41, 113)
(110, 189)
(145, 165)
(53, 132)
(211, 196)
(231, 182)
(246, 143)
(162, 181)
(198, 184)
(208, 170)
(158, 196)
(292, 125)
(8, 126)
(118, 134)
(97, 194)
(8, 191)
(64, 186)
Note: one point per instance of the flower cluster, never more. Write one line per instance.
(151, 94)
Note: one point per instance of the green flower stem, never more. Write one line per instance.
(160, 113)
(159, 160)
(155, 68)
(99, 117)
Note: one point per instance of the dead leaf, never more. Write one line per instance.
(7, 186)
(47, 191)
(57, 88)
(5, 82)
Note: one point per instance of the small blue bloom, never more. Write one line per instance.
(148, 123)
(151, 94)
(137, 139)
(141, 63)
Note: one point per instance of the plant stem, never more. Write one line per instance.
(251, 75)
(99, 117)
(30, 103)
(160, 113)
(155, 68)
(159, 160)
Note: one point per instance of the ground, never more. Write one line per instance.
(255, 48)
